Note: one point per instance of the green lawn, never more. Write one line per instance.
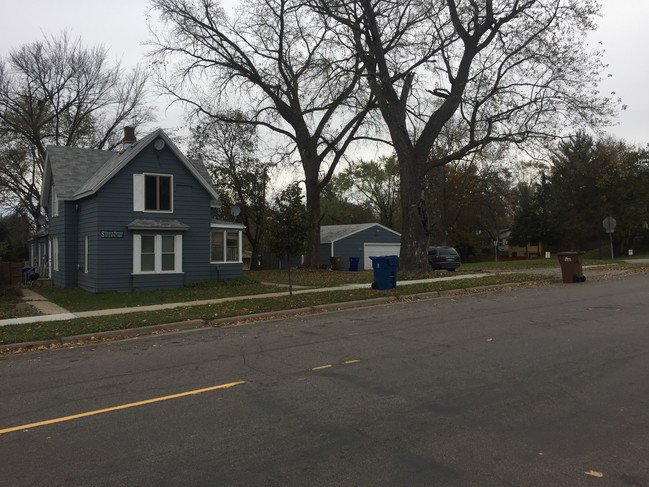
(252, 283)
(259, 282)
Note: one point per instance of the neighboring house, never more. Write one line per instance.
(139, 218)
(38, 254)
(506, 249)
(361, 240)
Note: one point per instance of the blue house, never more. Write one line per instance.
(360, 240)
(134, 219)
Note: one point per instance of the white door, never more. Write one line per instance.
(378, 249)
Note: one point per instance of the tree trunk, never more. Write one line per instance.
(312, 257)
(254, 259)
(414, 238)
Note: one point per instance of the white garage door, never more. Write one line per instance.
(377, 249)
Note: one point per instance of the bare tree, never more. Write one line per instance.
(508, 71)
(229, 151)
(281, 62)
(20, 178)
(376, 184)
(57, 92)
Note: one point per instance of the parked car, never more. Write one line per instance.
(443, 258)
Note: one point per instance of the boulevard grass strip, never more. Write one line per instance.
(240, 309)
(11, 304)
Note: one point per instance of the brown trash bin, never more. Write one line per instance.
(571, 267)
(335, 263)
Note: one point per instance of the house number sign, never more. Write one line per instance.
(111, 234)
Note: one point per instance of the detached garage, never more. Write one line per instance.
(362, 240)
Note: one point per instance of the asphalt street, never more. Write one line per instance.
(538, 386)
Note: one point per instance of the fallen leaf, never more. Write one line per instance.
(594, 473)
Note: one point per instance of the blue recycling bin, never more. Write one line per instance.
(25, 271)
(353, 264)
(385, 271)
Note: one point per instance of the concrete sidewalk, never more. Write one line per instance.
(53, 312)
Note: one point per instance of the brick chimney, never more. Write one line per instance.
(129, 136)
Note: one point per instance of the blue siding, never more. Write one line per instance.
(222, 271)
(191, 206)
(110, 260)
(68, 246)
(56, 228)
(63, 227)
(89, 225)
(145, 282)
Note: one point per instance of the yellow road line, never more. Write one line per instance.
(328, 366)
(117, 408)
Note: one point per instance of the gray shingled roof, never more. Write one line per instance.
(103, 173)
(332, 233)
(202, 169)
(77, 172)
(72, 167)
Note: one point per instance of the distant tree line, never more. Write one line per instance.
(587, 181)
(473, 203)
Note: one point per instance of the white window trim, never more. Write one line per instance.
(55, 253)
(55, 202)
(137, 254)
(139, 192)
(225, 244)
(85, 255)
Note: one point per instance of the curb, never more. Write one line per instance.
(128, 333)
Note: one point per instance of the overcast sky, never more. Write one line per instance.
(121, 26)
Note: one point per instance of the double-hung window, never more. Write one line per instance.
(153, 192)
(226, 246)
(157, 254)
